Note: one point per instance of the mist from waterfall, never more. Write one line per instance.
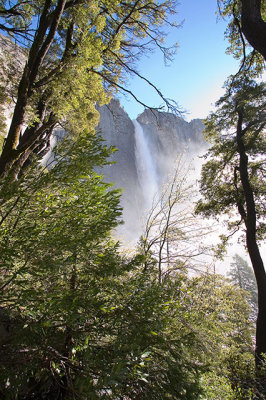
(146, 166)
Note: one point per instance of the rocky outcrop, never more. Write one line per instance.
(171, 136)
(12, 61)
(117, 130)
(166, 135)
(169, 126)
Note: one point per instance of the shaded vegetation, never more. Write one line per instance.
(79, 319)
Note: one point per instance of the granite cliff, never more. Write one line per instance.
(146, 152)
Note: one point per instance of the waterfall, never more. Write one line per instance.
(146, 167)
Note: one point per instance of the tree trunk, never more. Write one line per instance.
(253, 26)
(15, 142)
(252, 246)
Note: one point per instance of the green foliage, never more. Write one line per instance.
(237, 382)
(242, 275)
(220, 183)
(85, 322)
(78, 54)
(228, 340)
(77, 319)
(217, 387)
(52, 242)
(232, 181)
(2, 138)
(220, 314)
(251, 61)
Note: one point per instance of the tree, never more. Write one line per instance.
(246, 28)
(174, 236)
(42, 269)
(76, 52)
(80, 321)
(220, 315)
(232, 179)
(253, 26)
(242, 275)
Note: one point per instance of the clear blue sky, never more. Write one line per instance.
(196, 76)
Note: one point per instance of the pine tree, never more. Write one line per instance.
(243, 276)
(232, 178)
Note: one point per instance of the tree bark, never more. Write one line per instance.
(252, 246)
(253, 26)
(15, 141)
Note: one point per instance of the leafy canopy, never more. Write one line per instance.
(242, 275)
(78, 54)
(251, 61)
(84, 321)
(220, 183)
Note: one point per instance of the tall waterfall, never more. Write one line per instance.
(146, 167)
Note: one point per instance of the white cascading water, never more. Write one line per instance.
(146, 167)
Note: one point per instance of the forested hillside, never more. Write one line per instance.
(81, 317)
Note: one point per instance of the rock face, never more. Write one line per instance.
(118, 130)
(146, 152)
(12, 61)
(171, 136)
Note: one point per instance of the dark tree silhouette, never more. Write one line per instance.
(253, 26)
(232, 179)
